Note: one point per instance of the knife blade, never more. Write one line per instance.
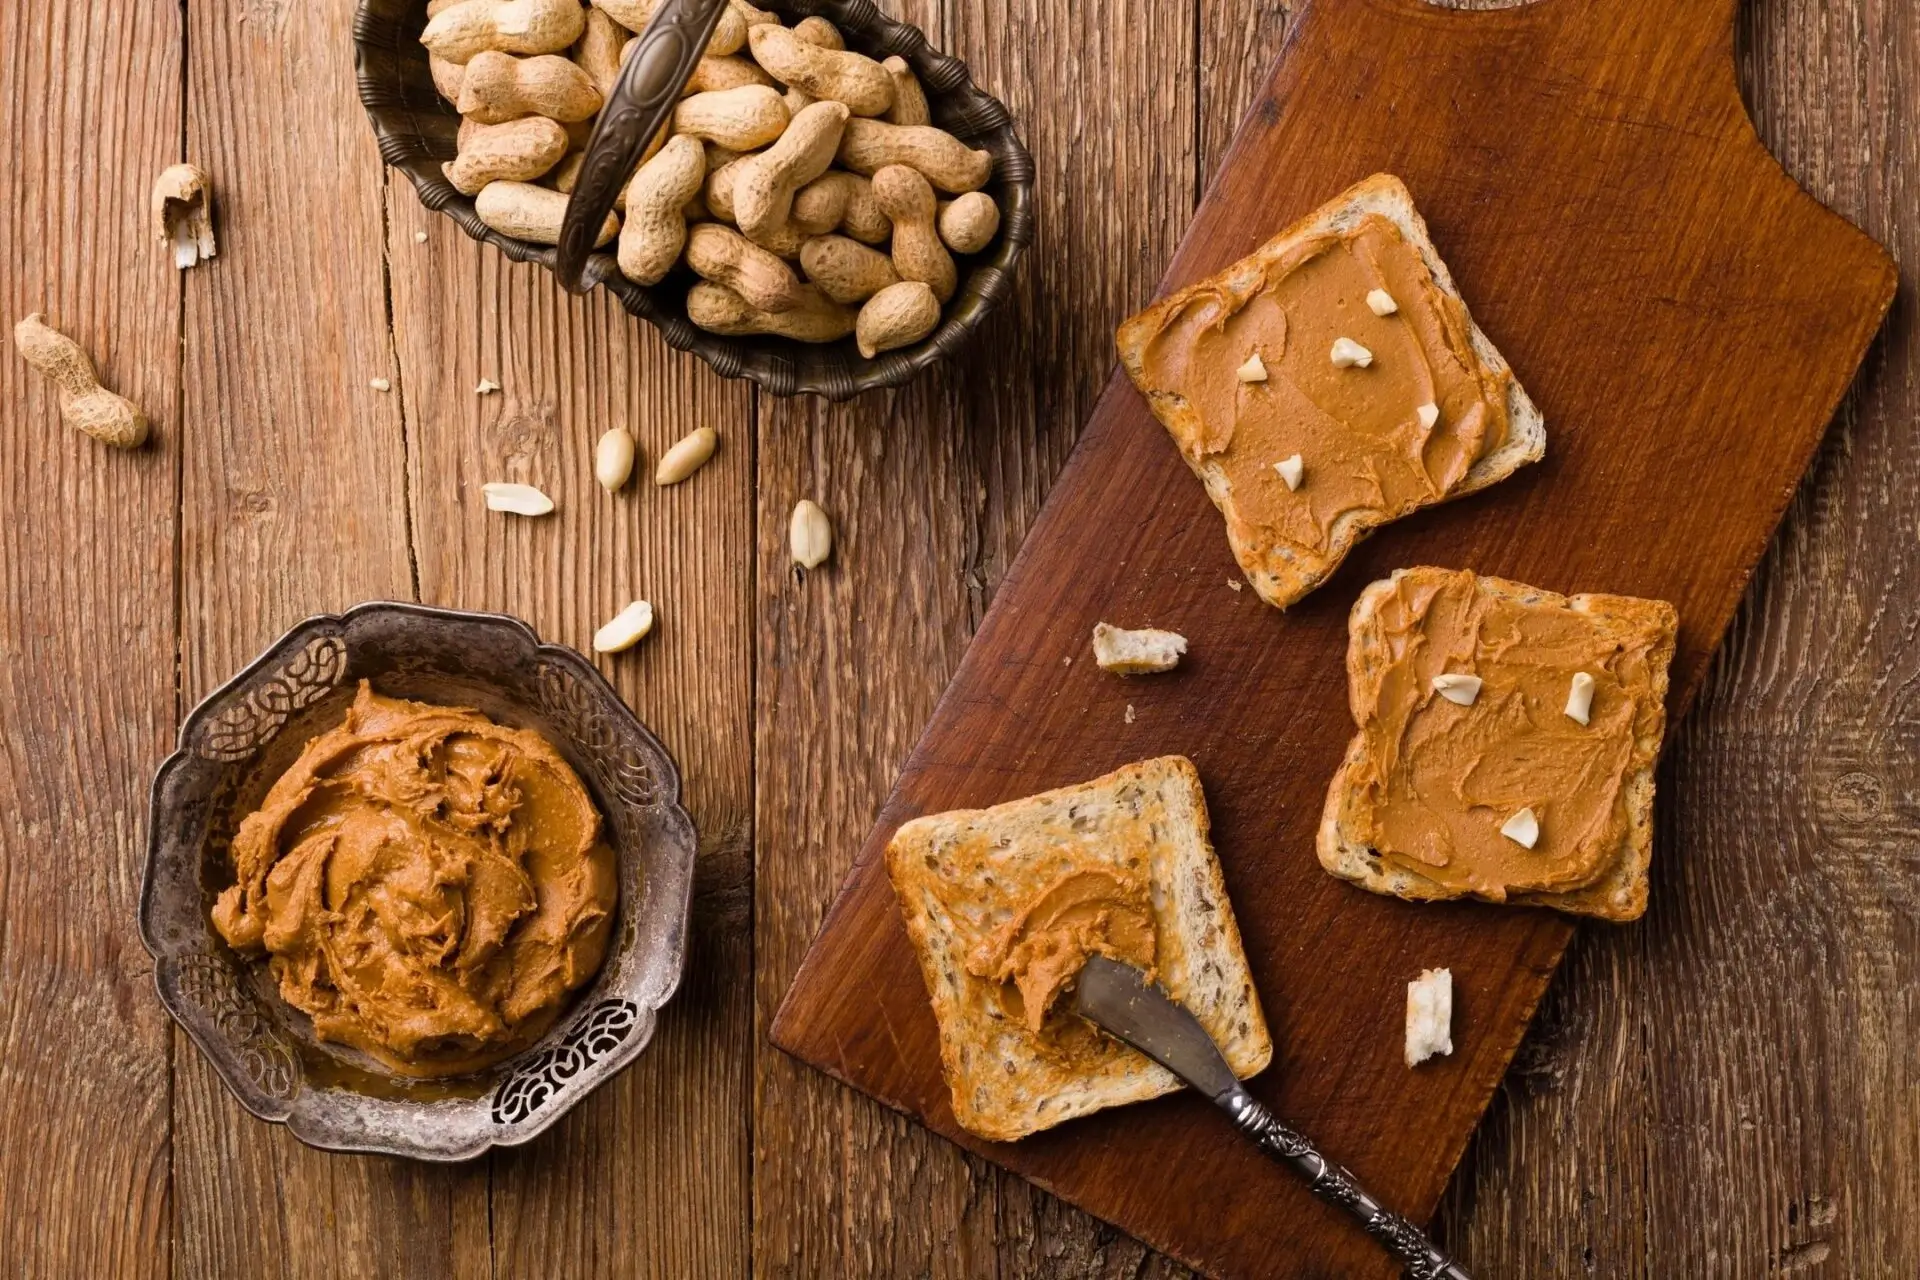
(1120, 1000)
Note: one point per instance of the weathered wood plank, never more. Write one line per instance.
(648, 1176)
(932, 490)
(842, 1186)
(293, 503)
(1729, 1088)
(86, 643)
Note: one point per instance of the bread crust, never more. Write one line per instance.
(1283, 574)
(1003, 1087)
(1619, 893)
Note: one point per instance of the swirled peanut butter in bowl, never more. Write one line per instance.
(426, 885)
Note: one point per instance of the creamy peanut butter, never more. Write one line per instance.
(1440, 778)
(1359, 431)
(428, 886)
(1045, 944)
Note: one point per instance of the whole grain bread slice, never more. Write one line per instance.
(1284, 573)
(1619, 893)
(959, 875)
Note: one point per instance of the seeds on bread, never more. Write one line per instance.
(962, 876)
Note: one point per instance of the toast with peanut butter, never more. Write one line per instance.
(1004, 906)
(1328, 383)
(1506, 745)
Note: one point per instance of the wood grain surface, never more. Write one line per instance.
(1727, 1089)
(88, 624)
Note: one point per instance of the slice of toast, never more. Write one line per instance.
(1283, 571)
(961, 875)
(1619, 890)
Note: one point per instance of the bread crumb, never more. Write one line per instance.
(1234, 584)
(486, 387)
(380, 384)
(1129, 713)
(419, 237)
(1132, 653)
(1429, 1015)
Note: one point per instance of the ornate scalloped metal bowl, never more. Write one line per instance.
(244, 736)
(416, 128)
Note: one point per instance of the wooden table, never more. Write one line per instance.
(1727, 1088)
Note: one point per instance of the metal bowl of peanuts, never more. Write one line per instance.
(832, 206)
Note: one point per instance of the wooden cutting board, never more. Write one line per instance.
(1687, 318)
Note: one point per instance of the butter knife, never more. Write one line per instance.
(1119, 1000)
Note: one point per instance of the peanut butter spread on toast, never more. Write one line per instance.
(1045, 944)
(1439, 777)
(1363, 440)
(428, 886)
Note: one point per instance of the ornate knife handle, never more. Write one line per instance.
(1423, 1259)
(642, 99)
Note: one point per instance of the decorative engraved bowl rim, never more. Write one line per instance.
(607, 1025)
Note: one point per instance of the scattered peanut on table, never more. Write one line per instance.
(796, 178)
(515, 499)
(85, 405)
(183, 214)
(613, 459)
(625, 629)
(809, 535)
(687, 456)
